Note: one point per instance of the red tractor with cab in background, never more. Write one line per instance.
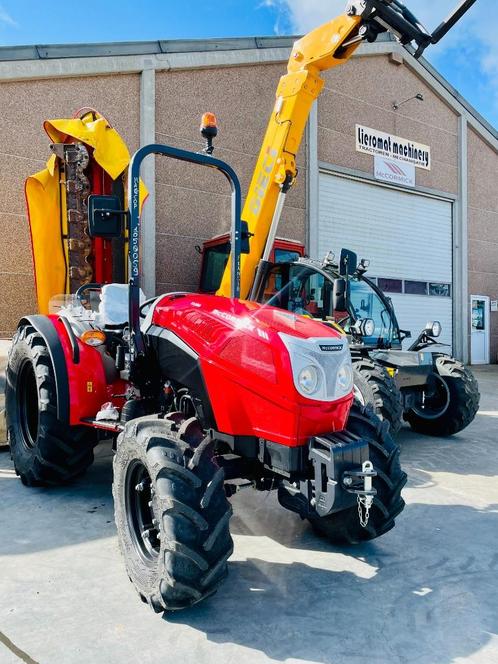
(200, 393)
(419, 383)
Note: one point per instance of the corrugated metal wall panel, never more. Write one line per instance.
(405, 236)
(414, 311)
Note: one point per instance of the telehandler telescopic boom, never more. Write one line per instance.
(328, 46)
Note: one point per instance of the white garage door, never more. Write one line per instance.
(406, 236)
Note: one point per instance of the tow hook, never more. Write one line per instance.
(359, 482)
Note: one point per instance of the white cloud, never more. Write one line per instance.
(6, 18)
(474, 36)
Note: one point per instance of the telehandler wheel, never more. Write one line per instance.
(453, 403)
(344, 527)
(171, 511)
(374, 386)
(44, 450)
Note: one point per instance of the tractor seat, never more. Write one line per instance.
(113, 307)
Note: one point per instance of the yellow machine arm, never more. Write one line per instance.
(276, 169)
(326, 47)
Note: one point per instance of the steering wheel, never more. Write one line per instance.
(82, 289)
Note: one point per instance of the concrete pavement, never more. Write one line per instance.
(426, 593)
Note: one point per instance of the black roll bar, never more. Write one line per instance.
(136, 341)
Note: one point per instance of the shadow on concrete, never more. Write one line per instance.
(424, 596)
(470, 452)
(37, 519)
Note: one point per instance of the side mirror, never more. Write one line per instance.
(328, 308)
(341, 295)
(348, 263)
(105, 216)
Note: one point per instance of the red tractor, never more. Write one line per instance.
(201, 395)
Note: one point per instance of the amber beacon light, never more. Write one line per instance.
(209, 130)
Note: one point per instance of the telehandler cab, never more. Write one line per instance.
(435, 393)
(202, 394)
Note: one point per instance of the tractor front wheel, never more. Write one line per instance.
(171, 511)
(44, 450)
(373, 385)
(344, 527)
(451, 402)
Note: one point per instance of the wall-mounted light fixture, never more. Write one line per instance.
(397, 104)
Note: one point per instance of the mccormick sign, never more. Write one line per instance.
(396, 172)
(376, 142)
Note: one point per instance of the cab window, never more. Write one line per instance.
(213, 265)
(301, 291)
(366, 303)
(286, 255)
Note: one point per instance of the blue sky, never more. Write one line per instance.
(468, 57)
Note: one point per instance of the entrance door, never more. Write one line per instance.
(479, 343)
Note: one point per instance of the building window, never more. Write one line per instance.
(415, 287)
(440, 290)
(412, 287)
(390, 285)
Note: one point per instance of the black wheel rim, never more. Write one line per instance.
(142, 523)
(27, 401)
(436, 399)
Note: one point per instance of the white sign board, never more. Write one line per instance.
(396, 172)
(494, 305)
(371, 141)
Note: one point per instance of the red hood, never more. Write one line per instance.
(246, 366)
(212, 315)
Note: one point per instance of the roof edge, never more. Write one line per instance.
(46, 53)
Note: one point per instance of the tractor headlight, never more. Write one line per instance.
(345, 379)
(309, 379)
(321, 366)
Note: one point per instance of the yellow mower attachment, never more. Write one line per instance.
(64, 255)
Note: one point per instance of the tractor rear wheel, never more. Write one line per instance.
(171, 511)
(374, 386)
(452, 403)
(44, 450)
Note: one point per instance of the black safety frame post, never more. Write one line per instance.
(136, 341)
